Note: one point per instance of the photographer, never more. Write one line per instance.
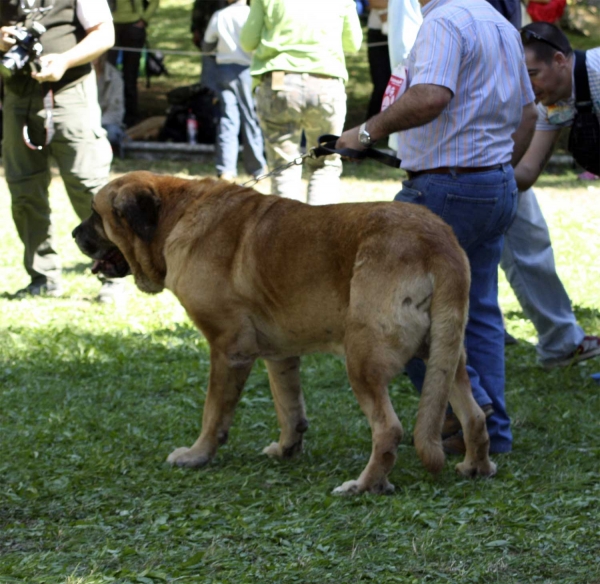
(51, 111)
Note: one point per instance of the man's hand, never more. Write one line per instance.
(7, 39)
(534, 160)
(196, 38)
(53, 68)
(349, 139)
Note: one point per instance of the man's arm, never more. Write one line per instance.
(211, 35)
(352, 31)
(251, 32)
(534, 160)
(7, 40)
(524, 133)
(98, 40)
(418, 106)
(151, 8)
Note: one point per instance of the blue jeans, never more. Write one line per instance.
(479, 207)
(116, 136)
(528, 262)
(237, 113)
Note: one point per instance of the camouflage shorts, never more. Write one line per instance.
(309, 103)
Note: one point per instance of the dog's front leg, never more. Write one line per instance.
(284, 377)
(226, 382)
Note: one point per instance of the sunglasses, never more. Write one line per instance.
(529, 35)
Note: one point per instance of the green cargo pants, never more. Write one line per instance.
(312, 103)
(79, 148)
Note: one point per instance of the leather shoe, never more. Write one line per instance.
(454, 444)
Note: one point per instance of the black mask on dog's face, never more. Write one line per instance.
(91, 239)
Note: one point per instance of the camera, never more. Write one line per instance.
(26, 48)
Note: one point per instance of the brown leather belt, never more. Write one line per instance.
(453, 169)
(268, 75)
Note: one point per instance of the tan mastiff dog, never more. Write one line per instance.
(263, 276)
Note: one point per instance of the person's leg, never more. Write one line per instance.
(134, 37)
(28, 177)
(528, 262)
(325, 114)
(83, 155)
(254, 146)
(280, 116)
(484, 338)
(115, 135)
(227, 143)
(80, 146)
(479, 207)
(379, 68)
(208, 72)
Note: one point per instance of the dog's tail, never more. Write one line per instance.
(450, 275)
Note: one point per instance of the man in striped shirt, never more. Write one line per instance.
(469, 102)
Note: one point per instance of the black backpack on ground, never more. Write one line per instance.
(202, 102)
(155, 64)
(584, 138)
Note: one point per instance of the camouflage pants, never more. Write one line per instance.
(316, 105)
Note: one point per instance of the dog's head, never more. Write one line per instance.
(120, 233)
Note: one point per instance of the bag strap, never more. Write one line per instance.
(327, 146)
(583, 100)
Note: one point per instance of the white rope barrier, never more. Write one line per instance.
(195, 53)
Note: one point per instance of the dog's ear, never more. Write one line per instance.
(140, 207)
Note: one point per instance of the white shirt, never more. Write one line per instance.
(90, 13)
(224, 27)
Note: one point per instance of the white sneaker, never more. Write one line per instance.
(112, 292)
(589, 347)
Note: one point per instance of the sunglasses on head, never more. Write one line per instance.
(530, 35)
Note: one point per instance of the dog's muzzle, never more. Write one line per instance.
(108, 259)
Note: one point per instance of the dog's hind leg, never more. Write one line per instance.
(226, 382)
(284, 377)
(472, 421)
(371, 364)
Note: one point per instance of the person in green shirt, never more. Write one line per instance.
(299, 73)
(131, 18)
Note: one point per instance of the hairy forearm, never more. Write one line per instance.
(96, 42)
(535, 159)
(524, 133)
(418, 106)
(527, 172)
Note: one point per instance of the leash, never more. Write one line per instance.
(48, 100)
(326, 147)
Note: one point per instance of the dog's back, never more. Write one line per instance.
(268, 277)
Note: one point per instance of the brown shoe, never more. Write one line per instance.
(455, 444)
(451, 425)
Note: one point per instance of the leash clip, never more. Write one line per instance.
(298, 161)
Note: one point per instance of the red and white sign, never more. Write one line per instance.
(395, 88)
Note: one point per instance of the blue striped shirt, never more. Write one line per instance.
(466, 46)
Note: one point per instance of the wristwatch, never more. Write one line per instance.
(363, 136)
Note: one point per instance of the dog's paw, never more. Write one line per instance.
(273, 450)
(483, 468)
(355, 488)
(187, 457)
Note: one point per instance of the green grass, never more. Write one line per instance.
(93, 399)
